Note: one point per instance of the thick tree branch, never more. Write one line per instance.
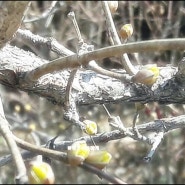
(11, 15)
(53, 86)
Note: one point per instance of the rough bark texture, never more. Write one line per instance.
(88, 87)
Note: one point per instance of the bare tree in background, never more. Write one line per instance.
(63, 63)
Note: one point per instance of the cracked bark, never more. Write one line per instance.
(89, 87)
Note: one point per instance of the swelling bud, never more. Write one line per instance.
(40, 173)
(98, 158)
(126, 31)
(113, 6)
(90, 127)
(77, 153)
(147, 75)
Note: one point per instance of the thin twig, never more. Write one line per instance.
(130, 69)
(71, 15)
(70, 105)
(47, 13)
(41, 150)
(170, 7)
(138, 137)
(168, 124)
(102, 174)
(96, 68)
(68, 88)
(75, 61)
(21, 176)
(106, 110)
(92, 64)
(155, 126)
(71, 114)
(62, 156)
(136, 117)
(157, 140)
(52, 44)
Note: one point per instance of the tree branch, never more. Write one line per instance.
(11, 16)
(52, 86)
(125, 61)
(62, 156)
(53, 45)
(166, 125)
(21, 177)
(75, 61)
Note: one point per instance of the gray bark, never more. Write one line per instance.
(88, 87)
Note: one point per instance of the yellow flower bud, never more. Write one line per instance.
(40, 173)
(126, 31)
(32, 126)
(98, 158)
(90, 127)
(147, 75)
(27, 107)
(78, 152)
(113, 6)
(18, 108)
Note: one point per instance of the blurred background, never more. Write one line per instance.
(37, 120)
